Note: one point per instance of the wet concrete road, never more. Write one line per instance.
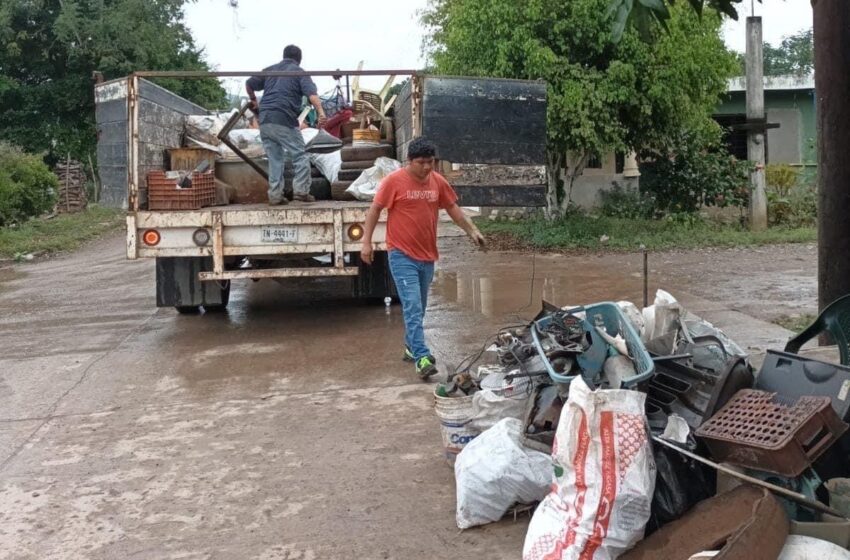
(288, 427)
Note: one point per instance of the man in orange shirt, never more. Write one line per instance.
(413, 197)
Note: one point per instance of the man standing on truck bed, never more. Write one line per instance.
(413, 197)
(279, 130)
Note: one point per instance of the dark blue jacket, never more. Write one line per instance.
(282, 97)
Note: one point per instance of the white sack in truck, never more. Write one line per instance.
(205, 128)
(327, 164)
(604, 479)
(365, 187)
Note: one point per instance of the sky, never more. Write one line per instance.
(385, 34)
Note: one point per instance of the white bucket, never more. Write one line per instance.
(455, 414)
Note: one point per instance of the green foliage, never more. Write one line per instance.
(641, 14)
(601, 96)
(65, 232)
(27, 186)
(620, 202)
(795, 55)
(580, 232)
(50, 48)
(791, 199)
(781, 177)
(693, 176)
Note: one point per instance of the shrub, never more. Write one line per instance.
(27, 186)
(620, 202)
(791, 197)
(693, 177)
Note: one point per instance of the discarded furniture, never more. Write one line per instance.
(835, 320)
(745, 523)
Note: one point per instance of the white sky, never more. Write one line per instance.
(384, 33)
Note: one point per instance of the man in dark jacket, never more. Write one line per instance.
(279, 127)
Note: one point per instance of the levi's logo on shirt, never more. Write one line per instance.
(431, 195)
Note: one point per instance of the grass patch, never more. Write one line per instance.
(796, 323)
(580, 232)
(61, 233)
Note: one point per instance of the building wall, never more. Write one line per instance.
(794, 142)
(590, 185)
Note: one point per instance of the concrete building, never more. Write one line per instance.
(790, 102)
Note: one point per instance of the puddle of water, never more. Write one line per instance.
(499, 288)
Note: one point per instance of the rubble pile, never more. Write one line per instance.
(646, 434)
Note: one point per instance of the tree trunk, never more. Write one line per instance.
(574, 174)
(832, 87)
(554, 161)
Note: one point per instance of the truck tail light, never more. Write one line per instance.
(151, 237)
(355, 232)
(201, 237)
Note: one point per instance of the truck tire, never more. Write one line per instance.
(338, 191)
(361, 165)
(188, 309)
(349, 174)
(360, 153)
(321, 188)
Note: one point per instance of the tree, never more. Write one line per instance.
(50, 48)
(795, 55)
(832, 82)
(602, 96)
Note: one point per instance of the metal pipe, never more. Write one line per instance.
(266, 73)
(799, 498)
(223, 136)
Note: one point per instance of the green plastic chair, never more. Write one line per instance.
(834, 319)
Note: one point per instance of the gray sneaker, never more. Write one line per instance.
(276, 202)
(306, 197)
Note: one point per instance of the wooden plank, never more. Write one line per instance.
(502, 195)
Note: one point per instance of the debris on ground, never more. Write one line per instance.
(659, 440)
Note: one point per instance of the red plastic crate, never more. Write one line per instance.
(163, 193)
(757, 430)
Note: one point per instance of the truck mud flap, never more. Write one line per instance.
(177, 283)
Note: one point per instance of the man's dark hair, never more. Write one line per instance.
(421, 148)
(293, 52)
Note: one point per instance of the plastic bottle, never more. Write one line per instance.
(387, 302)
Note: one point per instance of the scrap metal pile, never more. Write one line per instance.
(645, 434)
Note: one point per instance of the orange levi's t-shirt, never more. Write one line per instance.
(412, 207)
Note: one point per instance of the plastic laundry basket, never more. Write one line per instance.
(609, 316)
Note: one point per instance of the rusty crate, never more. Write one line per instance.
(759, 430)
(163, 193)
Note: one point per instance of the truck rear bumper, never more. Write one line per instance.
(264, 233)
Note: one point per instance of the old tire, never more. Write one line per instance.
(358, 153)
(321, 188)
(349, 174)
(188, 309)
(361, 165)
(338, 191)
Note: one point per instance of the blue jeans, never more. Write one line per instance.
(412, 280)
(278, 140)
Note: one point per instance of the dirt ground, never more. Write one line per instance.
(287, 428)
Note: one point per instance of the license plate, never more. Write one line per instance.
(279, 235)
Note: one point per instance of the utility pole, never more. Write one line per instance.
(832, 88)
(755, 115)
